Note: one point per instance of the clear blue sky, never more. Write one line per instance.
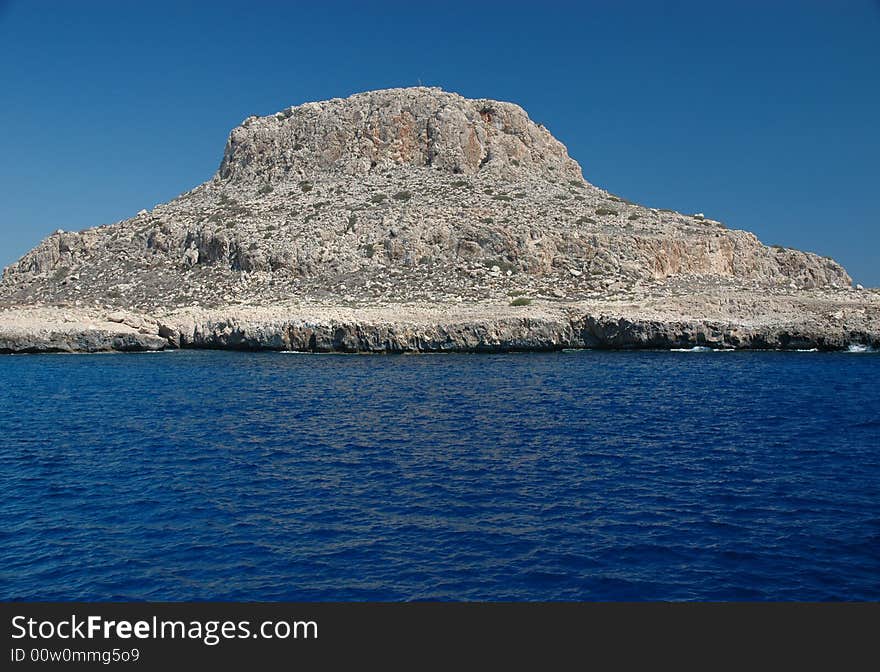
(765, 115)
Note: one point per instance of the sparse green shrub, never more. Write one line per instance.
(633, 217)
(486, 220)
(618, 199)
(605, 211)
(461, 183)
(231, 209)
(306, 186)
(369, 250)
(576, 183)
(501, 197)
(521, 301)
(352, 220)
(266, 189)
(402, 196)
(378, 198)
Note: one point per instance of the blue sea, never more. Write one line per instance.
(206, 475)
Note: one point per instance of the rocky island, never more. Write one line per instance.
(416, 220)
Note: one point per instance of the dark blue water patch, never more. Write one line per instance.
(561, 476)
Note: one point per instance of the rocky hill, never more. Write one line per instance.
(426, 204)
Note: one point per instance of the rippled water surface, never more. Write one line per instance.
(583, 475)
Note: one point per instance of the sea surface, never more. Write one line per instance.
(200, 475)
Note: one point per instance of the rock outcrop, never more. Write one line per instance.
(727, 319)
(427, 204)
(382, 130)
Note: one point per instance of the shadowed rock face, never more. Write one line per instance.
(421, 198)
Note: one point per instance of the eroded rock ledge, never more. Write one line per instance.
(795, 321)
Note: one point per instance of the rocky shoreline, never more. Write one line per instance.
(733, 321)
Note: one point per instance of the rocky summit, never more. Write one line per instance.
(418, 220)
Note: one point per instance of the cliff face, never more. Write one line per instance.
(382, 130)
(399, 196)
